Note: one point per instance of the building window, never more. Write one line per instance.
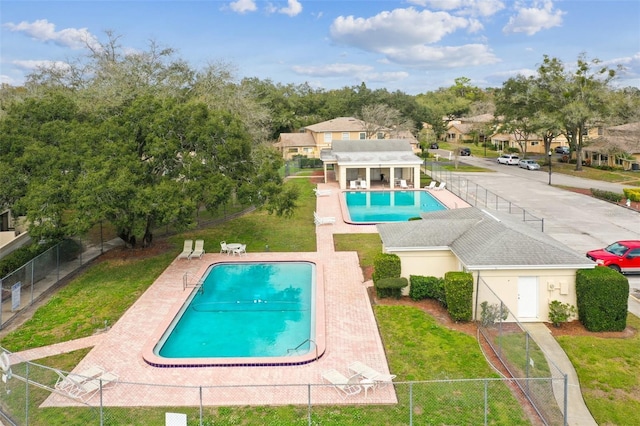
(293, 150)
(308, 150)
(363, 135)
(380, 135)
(600, 131)
(345, 136)
(534, 143)
(327, 137)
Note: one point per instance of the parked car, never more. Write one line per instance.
(434, 146)
(564, 150)
(529, 164)
(509, 159)
(622, 256)
(465, 151)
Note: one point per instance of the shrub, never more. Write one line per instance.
(390, 287)
(602, 296)
(606, 195)
(458, 289)
(426, 288)
(23, 255)
(560, 312)
(386, 265)
(489, 314)
(632, 194)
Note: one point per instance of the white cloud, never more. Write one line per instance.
(443, 57)
(293, 8)
(464, 7)
(243, 6)
(43, 30)
(31, 65)
(530, 20)
(400, 27)
(354, 71)
(332, 70)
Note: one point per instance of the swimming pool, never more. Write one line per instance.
(363, 207)
(245, 313)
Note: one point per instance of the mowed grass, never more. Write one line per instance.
(418, 348)
(608, 369)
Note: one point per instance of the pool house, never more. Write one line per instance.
(372, 163)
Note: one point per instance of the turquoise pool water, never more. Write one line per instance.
(245, 310)
(388, 206)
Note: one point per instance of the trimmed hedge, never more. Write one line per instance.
(427, 288)
(390, 287)
(19, 257)
(458, 289)
(607, 195)
(386, 265)
(602, 296)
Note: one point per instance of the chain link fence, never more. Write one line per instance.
(521, 356)
(34, 394)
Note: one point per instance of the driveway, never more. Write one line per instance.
(580, 222)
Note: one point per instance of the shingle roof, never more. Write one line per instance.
(295, 139)
(482, 240)
(340, 124)
(368, 151)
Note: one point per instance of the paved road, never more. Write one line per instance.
(580, 222)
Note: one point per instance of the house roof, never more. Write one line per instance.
(287, 140)
(340, 124)
(482, 240)
(371, 151)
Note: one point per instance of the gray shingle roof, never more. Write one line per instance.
(481, 240)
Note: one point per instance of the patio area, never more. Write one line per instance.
(351, 334)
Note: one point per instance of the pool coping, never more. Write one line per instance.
(150, 357)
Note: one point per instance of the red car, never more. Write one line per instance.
(622, 256)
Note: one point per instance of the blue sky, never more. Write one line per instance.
(413, 46)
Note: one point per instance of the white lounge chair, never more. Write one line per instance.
(83, 387)
(69, 381)
(187, 249)
(380, 379)
(198, 251)
(431, 185)
(322, 192)
(328, 220)
(363, 184)
(440, 187)
(223, 247)
(353, 184)
(242, 250)
(403, 184)
(345, 387)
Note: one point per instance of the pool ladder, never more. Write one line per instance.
(199, 285)
(291, 352)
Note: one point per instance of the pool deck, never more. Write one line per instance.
(351, 334)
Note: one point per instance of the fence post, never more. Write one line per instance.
(566, 397)
(486, 402)
(309, 404)
(26, 395)
(201, 406)
(411, 403)
(101, 407)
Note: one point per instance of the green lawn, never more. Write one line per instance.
(418, 348)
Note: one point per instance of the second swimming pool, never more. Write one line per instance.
(365, 207)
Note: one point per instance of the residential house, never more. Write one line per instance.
(380, 161)
(13, 233)
(469, 129)
(535, 143)
(617, 146)
(311, 140)
(510, 260)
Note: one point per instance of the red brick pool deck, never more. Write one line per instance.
(351, 334)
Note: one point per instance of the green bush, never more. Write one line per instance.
(606, 195)
(390, 287)
(458, 289)
(560, 312)
(22, 256)
(632, 194)
(386, 265)
(490, 314)
(426, 288)
(602, 296)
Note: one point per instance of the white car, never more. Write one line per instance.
(529, 165)
(509, 159)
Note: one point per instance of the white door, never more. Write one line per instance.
(527, 297)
